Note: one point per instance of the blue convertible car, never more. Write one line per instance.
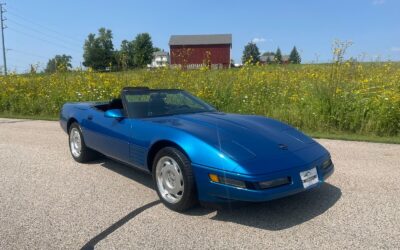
(193, 151)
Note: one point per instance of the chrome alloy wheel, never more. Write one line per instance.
(169, 179)
(75, 142)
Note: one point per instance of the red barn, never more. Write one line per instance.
(194, 51)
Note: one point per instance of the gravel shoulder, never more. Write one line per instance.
(48, 201)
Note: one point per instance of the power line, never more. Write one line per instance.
(27, 53)
(30, 21)
(43, 40)
(23, 62)
(37, 31)
(2, 36)
(51, 36)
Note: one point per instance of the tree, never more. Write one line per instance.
(143, 50)
(251, 53)
(232, 63)
(278, 56)
(268, 53)
(135, 53)
(59, 63)
(125, 56)
(99, 51)
(294, 56)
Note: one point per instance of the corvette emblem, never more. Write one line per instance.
(283, 146)
(307, 174)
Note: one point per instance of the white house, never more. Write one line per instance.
(160, 59)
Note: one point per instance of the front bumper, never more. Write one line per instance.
(209, 191)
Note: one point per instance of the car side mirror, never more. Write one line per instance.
(114, 113)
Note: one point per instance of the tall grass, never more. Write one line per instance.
(361, 98)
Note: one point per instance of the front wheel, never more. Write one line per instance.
(173, 176)
(79, 151)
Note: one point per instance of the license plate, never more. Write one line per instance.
(309, 177)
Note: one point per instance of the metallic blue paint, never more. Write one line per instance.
(113, 113)
(244, 147)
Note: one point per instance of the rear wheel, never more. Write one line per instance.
(79, 151)
(173, 177)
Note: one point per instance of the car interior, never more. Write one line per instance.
(113, 104)
(154, 106)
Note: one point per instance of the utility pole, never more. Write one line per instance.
(2, 36)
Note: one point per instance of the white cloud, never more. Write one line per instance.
(378, 2)
(395, 49)
(260, 40)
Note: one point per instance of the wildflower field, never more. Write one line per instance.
(356, 98)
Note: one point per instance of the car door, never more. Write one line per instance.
(109, 136)
(142, 134)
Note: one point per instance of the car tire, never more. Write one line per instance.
(79, 151)
(174, 180)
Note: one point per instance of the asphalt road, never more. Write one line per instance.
(48, 201)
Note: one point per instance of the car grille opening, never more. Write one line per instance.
(274, 183)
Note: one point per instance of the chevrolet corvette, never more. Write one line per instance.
(193, 151)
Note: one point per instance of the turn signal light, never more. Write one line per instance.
(227, 181)
(213, 177)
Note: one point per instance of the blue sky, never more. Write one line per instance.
(40, 29)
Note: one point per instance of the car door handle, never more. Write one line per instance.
(90, 117)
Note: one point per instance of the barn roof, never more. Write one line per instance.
(200, 39)
(265, 58)
(160, 53)
(272, 58)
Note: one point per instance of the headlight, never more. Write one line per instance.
(326, 164)
(227, 181)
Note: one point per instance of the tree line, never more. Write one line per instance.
(100, 55)
(251, 54)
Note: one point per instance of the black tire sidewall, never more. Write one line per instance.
(75, 125)
(189, 197)
(86, 153)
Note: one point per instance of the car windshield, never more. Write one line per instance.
(151, 103)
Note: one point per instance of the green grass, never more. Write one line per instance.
(357, 99)
(30, 117)
(323, 135)
(355, 137)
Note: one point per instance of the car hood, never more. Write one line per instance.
(247, 139)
